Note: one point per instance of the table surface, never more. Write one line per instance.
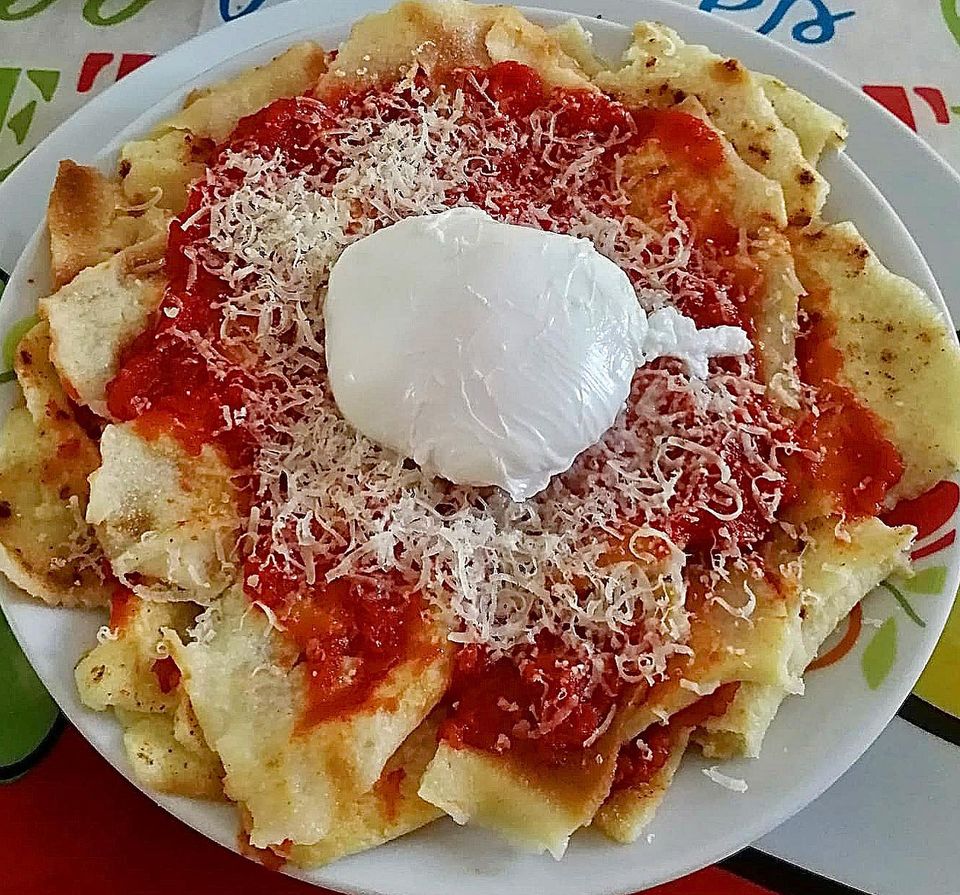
(885, 827)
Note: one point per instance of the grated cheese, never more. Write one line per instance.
(328, 502)
(105, 633)
(646, 753)
(700, 689)
(80, 549)
(734, 784)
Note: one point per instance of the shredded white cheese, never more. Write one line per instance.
(734, 784)
(700, 689)
(80, 550)
(105, 633)
(588, 560)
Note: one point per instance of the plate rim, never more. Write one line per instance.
(329, 26)
(803, 69)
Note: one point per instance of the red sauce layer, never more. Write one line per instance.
(123, 603)
(852, 460)
(163, 382)
(539, 702)
(690, 524)
(641, 758)
(351, 633)
(167, 674)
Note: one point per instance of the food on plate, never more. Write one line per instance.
(512, 301)
(456, 423)
(46, 545)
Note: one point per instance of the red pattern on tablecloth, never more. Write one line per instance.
(75, 826)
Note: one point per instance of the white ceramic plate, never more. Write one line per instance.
(814, 740)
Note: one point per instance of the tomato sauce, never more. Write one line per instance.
(163, 382)
(123, 604)
(641, 758)
(690, 524)
(687, 139)
(388, 789)
(167, 674)
(851, 460)
(733, 296)
(540, 702)
(351, 633)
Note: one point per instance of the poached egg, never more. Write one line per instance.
(489, 353)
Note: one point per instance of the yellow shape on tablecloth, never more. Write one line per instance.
(940, 682)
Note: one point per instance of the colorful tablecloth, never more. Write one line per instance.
(69, 823)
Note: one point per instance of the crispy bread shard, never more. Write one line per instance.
(390, 809)
(818, 129)
(249, 693)
(536, 808)
(899, 356)
(161, 762)
(660, 69)
(731, 642)
(748, 199)
(94, 316)
(128, 672)
(755, 203)
(213, 112)
(90, 220)
(628, 811)
(46, 546)
(777, 318)
(166, 519)
(447, 34)
(163, 165)
(119, 672)
(578, 45)
(186, 727)
(835, 574)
